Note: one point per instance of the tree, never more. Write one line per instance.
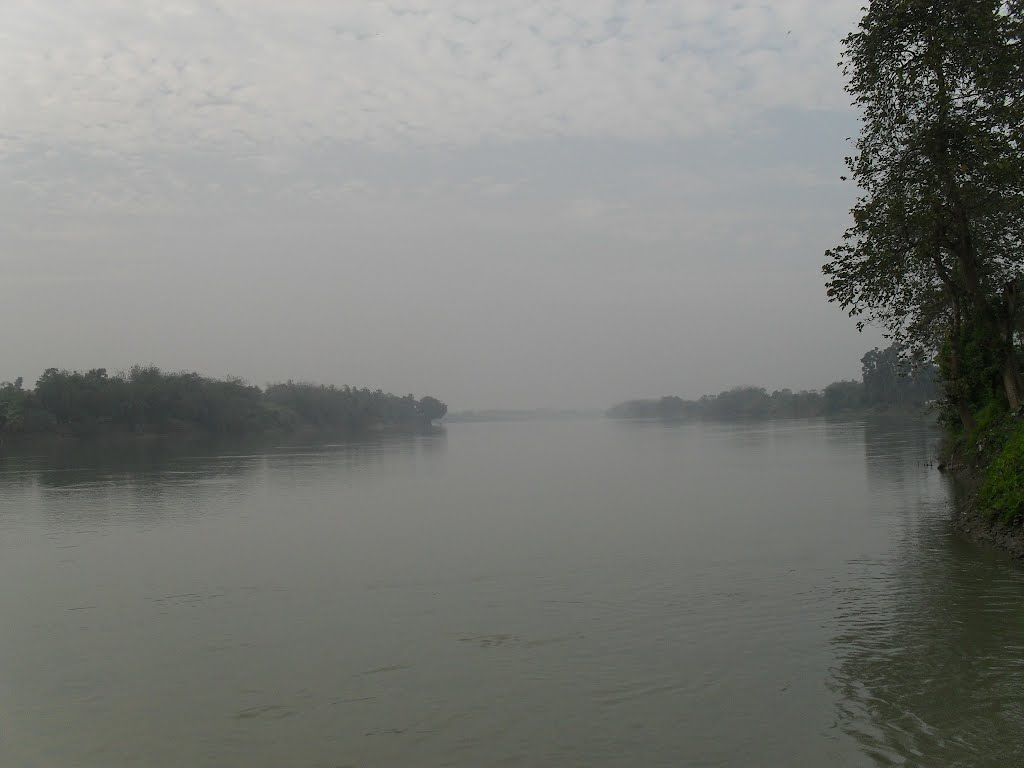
(844, 396)
(934, 253)
(430, 408)
(13, 401)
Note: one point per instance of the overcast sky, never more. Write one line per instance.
(500, 202)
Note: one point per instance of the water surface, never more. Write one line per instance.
(579, 593)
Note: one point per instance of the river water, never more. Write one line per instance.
(577, 593)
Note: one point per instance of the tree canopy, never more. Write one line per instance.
(935, 253)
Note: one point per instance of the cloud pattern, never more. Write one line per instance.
(242, 76)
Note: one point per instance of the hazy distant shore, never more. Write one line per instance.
(888, 384)
(148, 401)
(535, 414)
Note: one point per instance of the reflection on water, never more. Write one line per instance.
(930, 638)
(898, 449)
(99, 480)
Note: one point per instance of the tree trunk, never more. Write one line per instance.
(1011, 381)
(963, 410)
(1011, 371)
(970, 269)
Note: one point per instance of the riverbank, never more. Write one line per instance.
(987, 468)
(979, 527)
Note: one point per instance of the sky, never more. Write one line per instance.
(504, 203)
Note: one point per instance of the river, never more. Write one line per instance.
(551, 593)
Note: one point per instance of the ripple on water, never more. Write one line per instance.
(930, 666)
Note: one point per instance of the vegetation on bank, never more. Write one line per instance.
(992, 455)
(935, 253)
(1000, 493)
(146, 400)
(888, 382)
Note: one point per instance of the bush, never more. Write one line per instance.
(1002, 487)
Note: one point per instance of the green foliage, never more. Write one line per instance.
(975, 447)
(148, 400)
(936, 233)
(844, 397)
(20, 411)
(993, 453)
(979, 381)
(990, 419)
(1002, 488)
(13, 403)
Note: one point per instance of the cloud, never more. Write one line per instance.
(477, 186)
(244, 75)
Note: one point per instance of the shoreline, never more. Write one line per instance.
(984, 468)
(974, 523)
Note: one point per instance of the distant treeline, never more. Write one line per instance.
(148, 400)
(889, 381)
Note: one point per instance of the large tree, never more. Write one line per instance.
(934, 253)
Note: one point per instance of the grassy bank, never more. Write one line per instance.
(988, 465)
